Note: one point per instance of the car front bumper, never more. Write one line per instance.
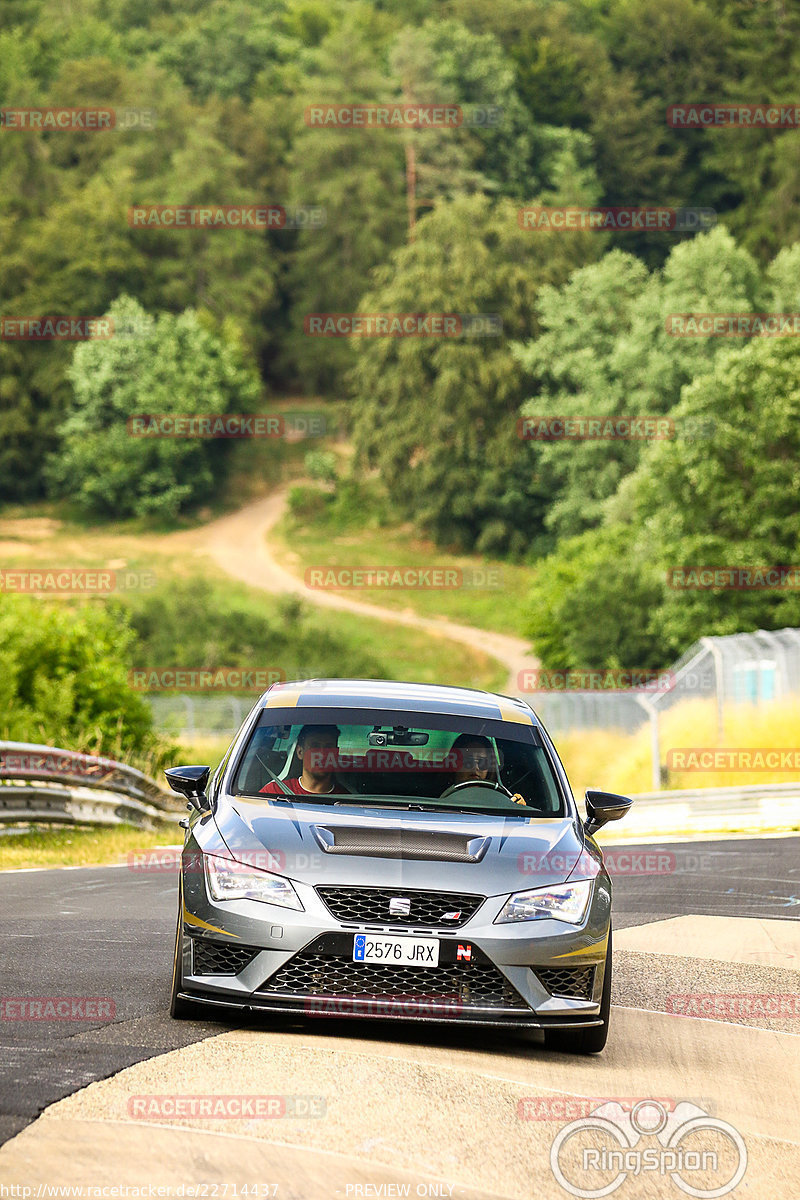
(248, 954)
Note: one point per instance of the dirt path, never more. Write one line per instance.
(238, 544)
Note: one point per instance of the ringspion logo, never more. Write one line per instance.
(703, 1156)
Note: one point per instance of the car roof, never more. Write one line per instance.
(399, 697)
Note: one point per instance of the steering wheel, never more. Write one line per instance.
(487, 783)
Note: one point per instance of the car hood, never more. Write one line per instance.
(375, 846)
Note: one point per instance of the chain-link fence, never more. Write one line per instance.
(742, 668)
(189, 717)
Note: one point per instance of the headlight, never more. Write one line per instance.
(229, 880)
(567, 902)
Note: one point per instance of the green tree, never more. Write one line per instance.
(437, 415)
(589, 600)
(154, 365)
(64, 679)
(356, 177)
(728, 501)
(732, 500)
(605, 351)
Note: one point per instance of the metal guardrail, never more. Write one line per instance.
(45, 783)
(768, 806)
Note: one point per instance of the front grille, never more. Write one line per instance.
(576, 983)
(371, 905)
(220, 958)
(478, 986)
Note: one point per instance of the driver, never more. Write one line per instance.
(317, 749)
(474, 757)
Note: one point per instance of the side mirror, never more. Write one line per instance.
(191, 783)
(602, 807)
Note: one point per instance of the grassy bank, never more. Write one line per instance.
(80, 846)
(619, 762)
(483, 592)
(354, 644)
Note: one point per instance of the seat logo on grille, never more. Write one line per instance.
(399, 906)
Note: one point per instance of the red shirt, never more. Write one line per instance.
(294, 786)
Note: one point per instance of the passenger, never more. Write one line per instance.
(316, 750)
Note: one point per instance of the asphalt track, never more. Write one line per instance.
(107, 932)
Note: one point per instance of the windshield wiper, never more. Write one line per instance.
(412, 806)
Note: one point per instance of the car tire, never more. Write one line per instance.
(593, 1039)
(180, 1009)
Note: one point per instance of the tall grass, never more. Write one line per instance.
(619, 762)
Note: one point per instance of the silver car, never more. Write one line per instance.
(395, 850)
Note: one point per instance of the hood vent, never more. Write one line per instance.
(401, 843)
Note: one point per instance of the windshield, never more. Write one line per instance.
(417, 759)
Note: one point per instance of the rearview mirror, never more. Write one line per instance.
(191, 783)
(602, 807)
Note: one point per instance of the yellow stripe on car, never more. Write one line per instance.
(198, 922)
